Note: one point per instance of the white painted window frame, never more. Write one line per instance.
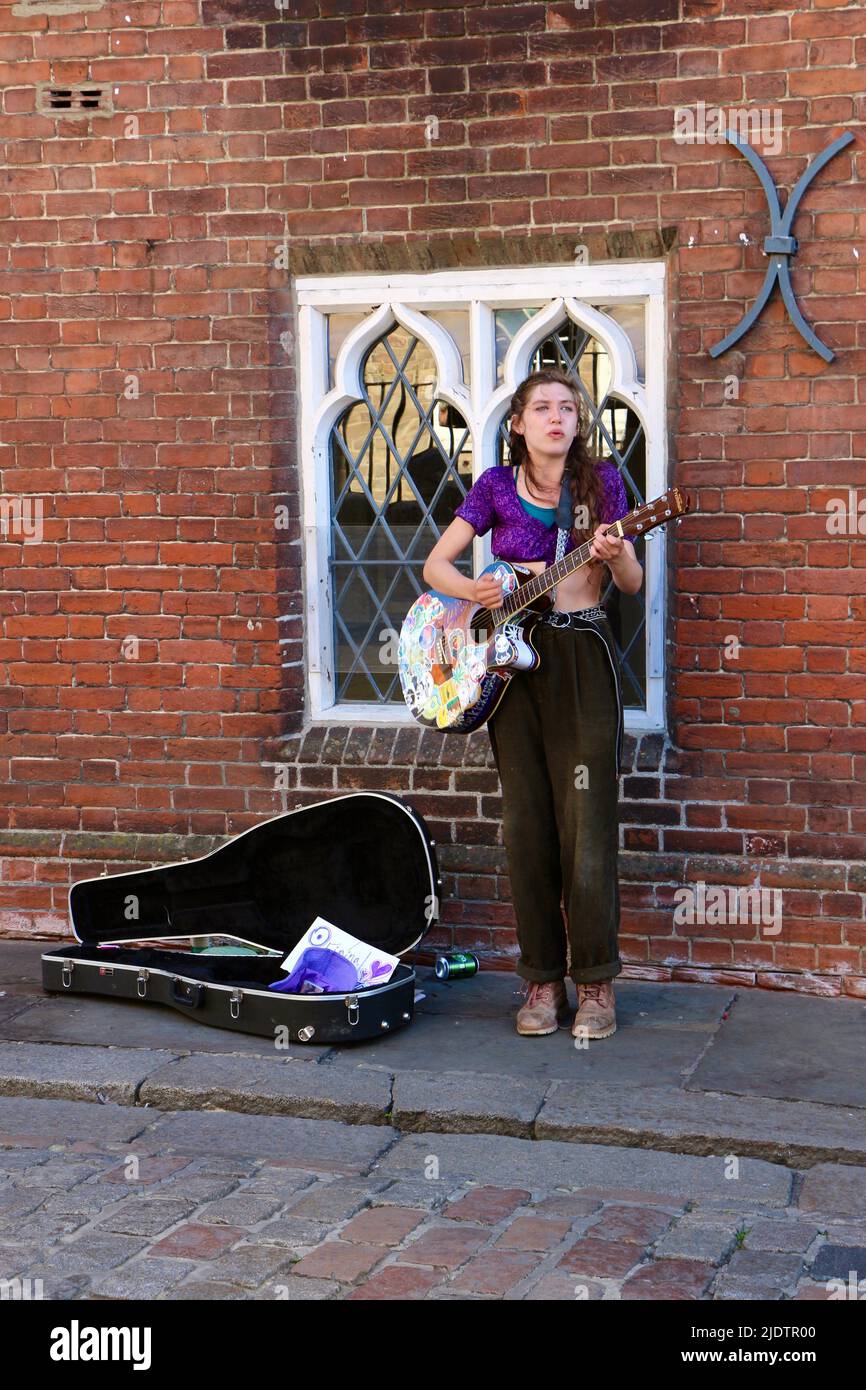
(575, 289)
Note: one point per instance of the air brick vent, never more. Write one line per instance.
(79, 99)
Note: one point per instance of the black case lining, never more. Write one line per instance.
(362, 862)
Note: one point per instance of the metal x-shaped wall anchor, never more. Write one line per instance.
(780, 245)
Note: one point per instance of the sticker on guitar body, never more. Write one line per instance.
(443, 671)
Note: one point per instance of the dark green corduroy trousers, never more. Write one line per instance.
(555, 738)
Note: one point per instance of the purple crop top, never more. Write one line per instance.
(517, 535)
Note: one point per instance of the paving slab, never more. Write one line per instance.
(491, 1046)
(793, 1132)
(58, 1120)
(834, 1189)
(90, 1020)
(21, 962)
(14, 1002)
(258, 1086)
(465, 1102)
(311, 1144)
(489, 994)
(76, 1073)
(144, 1278)
(639, 1003)
(837, 1262)
(790, 1047)
(502, 1160)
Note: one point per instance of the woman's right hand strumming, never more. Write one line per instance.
(488, 591)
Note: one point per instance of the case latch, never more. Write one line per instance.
(66, 973)
(141, 984)
(354, 1011)
(235, 1003)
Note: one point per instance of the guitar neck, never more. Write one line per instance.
(549, 578)
(672, 505)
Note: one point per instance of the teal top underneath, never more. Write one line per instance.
(545, 514)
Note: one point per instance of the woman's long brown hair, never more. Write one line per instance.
(584, 480)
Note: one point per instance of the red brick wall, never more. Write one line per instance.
(149, 252)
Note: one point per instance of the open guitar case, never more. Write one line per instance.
(365, 862)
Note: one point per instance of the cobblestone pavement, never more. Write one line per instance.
(129, 1216)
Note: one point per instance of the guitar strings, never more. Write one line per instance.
(516, 602)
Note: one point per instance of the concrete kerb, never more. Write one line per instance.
(791, 1133)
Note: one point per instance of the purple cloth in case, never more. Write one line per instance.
(324, 969)
(493, 500)
(329, 972)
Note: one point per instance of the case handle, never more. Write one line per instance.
(188, 992)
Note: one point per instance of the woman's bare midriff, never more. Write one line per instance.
(580, 590)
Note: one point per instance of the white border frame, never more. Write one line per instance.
(405, 297)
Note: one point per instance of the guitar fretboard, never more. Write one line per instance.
(644, 518)
(540, 584)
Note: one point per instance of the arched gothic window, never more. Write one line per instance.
(404, 384)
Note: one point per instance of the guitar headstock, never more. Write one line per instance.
(669, 507)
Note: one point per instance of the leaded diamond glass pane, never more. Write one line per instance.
(401, 462)
(507, 323)
(456, 323)
(632, 319)
(339, 326)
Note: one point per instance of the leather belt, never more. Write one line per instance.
(565, 619)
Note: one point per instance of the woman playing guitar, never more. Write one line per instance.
(557, 733)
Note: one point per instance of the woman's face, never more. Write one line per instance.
(549, 422)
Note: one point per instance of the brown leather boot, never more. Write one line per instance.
(545, 1010)
(596, 1014)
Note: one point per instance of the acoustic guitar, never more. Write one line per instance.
(456, 657)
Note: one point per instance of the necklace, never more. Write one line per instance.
(553, 503)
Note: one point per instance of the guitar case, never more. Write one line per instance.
(365, 862)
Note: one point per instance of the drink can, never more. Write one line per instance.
(457, 965)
